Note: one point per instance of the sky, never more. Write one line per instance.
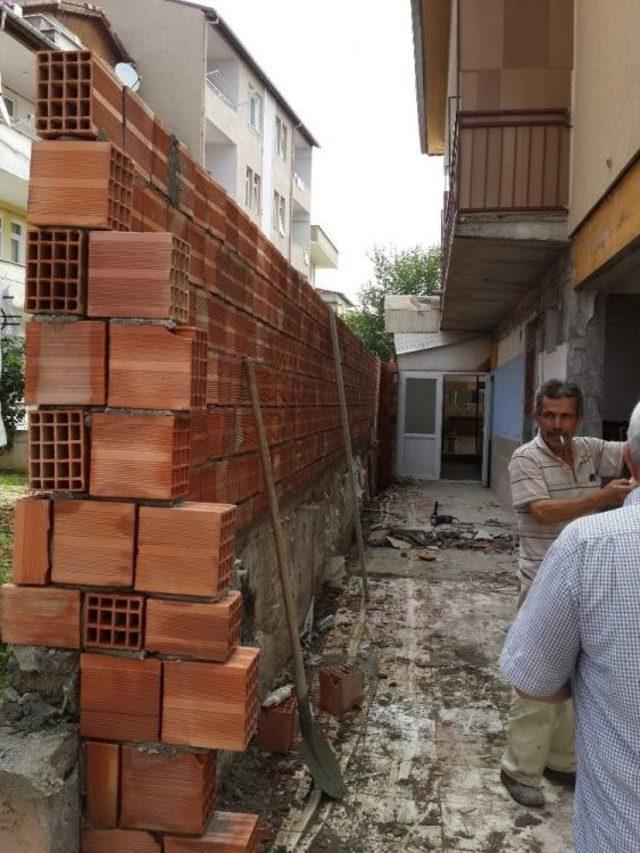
(347, 69)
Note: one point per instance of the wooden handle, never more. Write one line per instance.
(347, 452)
(282, 552)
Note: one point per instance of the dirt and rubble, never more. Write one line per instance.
(421, 758)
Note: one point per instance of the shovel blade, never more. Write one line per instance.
(319, 757)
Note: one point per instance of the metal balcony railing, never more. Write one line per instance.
(223, 87)
(507, 162)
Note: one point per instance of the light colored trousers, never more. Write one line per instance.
(539, 734)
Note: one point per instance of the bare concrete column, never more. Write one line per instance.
(585, 357)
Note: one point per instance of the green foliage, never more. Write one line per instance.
(409, 272)
(12, 385)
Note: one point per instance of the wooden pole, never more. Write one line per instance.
(282, 551)
(348, 454)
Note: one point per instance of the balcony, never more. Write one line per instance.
(225, 87)
(504, 217)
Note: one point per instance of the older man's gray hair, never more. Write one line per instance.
(633, 435)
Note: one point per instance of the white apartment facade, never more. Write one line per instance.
(198, 76)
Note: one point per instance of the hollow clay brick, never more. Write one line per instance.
(138, 132)
(277, 725)
(103, 784)
(40, 616)
(139, 456)
(31, 531)
(56, 274)
(112, 621)
(185, 550)
(93, 543)
(118, 841)
(171, 793)
(66, 363)
(193, 630)
(77, 96)
(138, 275)
(119, 698)
(211, 705)
(80, 185)
(341, 689)
(150, 367)
(162, 147)
(229, 832)
(58, 450)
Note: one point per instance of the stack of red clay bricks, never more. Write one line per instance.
(132, 228)
(148, 287)
(387, 416)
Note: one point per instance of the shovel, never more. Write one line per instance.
(318, 756)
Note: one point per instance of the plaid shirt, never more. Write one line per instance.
(581, 622)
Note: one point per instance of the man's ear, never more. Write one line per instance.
(628, 458)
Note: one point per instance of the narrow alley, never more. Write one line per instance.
(421, 759)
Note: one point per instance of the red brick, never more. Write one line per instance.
(341, 689)
(138, 132)
(80, 185)
(185, 550)
(58, 450)
(93, 543)
(31, 531)
(143, 276)
(277, 725)
(162, 145)
(139, 456)
(118, 841)
(171, 793)
(41, 616)
(150, 367)
(230, 832)
(56, 280)
(211, 705)
(103, 783)
(112, 621)
(77, 96)
(66, 363)
(119, 698)
(187, 629)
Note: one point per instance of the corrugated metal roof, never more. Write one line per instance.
(415, 342)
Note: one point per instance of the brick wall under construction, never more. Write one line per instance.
(148, 287)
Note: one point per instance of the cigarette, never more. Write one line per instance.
(562, 439)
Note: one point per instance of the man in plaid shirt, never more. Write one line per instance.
(578, 634)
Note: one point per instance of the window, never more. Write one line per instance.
(255, 110)
(17, 243)
(10, 104)
(282, 133)
(279, 213)
(253, 191)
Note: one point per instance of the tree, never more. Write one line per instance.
(407, 272)
(12, 385)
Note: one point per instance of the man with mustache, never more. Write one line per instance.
(555, 479)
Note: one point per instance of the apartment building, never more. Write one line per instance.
(534, 106)
(214, 97)
(27, 28)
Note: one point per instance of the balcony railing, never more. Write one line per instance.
(507, 162)
(223, 87)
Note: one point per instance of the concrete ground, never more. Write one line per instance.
(421, 759)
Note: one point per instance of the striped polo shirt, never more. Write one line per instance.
(537, 474)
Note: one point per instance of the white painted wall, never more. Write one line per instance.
(268, 163)
(465, 357)
(553, 365)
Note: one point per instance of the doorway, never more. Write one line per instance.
(463, 427)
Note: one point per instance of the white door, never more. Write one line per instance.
(419, 425)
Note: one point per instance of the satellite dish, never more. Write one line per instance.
(128, 76)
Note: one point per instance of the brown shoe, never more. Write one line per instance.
(561, 777)
(526, 795)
